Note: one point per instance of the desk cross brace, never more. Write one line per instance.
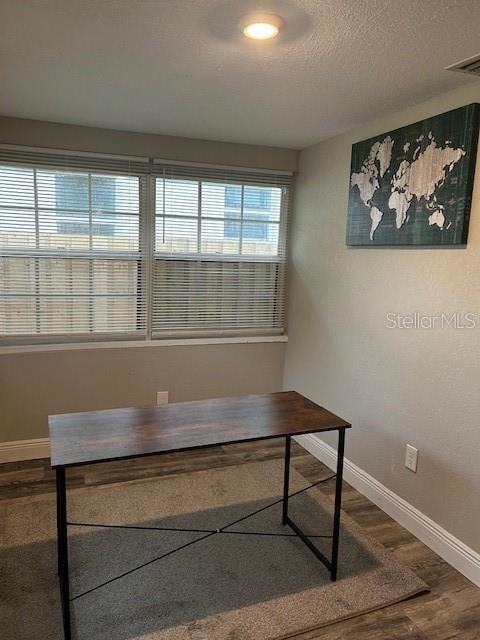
(206, 533)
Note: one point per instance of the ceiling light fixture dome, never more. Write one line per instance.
(261, 26)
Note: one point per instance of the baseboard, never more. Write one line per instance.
(16, 450)
(448, 547)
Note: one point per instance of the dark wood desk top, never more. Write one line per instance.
(113, 434)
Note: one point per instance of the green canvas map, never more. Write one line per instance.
(413, 186)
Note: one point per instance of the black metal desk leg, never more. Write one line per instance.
(286, 479)
(62, 542)
(338, 503)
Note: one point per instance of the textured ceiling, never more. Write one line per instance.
(181, 67)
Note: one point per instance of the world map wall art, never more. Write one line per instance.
(413, 186)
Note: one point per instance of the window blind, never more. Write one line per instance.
(104, 247)
(219, 251)
(71, 246)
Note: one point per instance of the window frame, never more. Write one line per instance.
(147, 255)
(279, 260)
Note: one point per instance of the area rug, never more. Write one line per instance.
(256, 582)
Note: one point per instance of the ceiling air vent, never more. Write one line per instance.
(470, 66)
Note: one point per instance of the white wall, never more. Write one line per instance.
(420, 387)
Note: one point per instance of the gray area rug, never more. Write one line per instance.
(232, 586)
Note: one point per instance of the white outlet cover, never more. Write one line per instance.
(411, 458)
(162, 397)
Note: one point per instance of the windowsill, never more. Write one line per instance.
(168, 342)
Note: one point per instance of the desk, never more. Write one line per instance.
(121, 434)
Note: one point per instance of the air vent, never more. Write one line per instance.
(470, 66)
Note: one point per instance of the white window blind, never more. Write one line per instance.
(219, 265)
(96, 248)
(71, 261)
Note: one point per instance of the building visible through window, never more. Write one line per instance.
(257, 205)
(72, 200)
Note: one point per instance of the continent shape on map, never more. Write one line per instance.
(367, 181)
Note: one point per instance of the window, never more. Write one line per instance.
(86, 253)
(219, 255)
(70, 258)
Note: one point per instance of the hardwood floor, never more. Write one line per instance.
(451, 611)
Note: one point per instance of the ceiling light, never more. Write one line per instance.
(261, 26)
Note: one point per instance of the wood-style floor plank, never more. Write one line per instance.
(451, 611)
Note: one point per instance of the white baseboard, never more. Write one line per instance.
(448, 547)
(16, 450)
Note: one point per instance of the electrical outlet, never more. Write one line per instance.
(411, 458)
(162, 397)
